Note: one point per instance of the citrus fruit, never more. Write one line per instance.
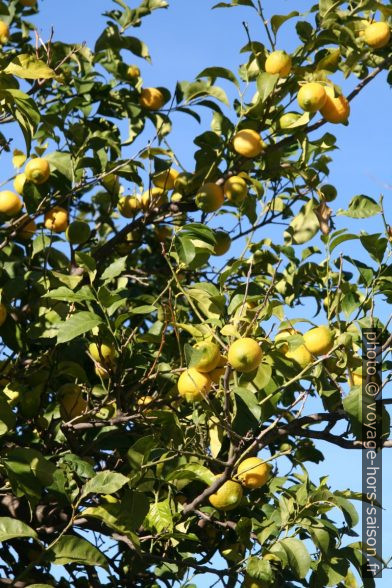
(235, 190)
(278, 62)
(103, 352)
(153, 198)
(228, 496)
(328, 192)
(377, 34)
(248, 143)
(253, 472)
(223, 242)
(319, 340)
(128, 206)
(78, 232)
(151, 99)
(3, 313)
(193, 385)
(27, 230)
(184, 183)
(245, 355)
(145, 400)
(208, 356)
(10, 203)
(209, 197)
(281, 339)
(19, 183)
(287, 119)
(300, 355)
(72, 403)
(312, 96)
(336, 110)
(133, 71)
(56, 219)
(165, 179)
(219, 371)
(37, 170)
(4, 32)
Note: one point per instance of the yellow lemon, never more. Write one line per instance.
(319, 340)
(281, 339)
(208, 356)
(253, 472)
(248, 143)
(300, 355)
(312, 96)
(153, 198)
(4, 32)
(37, 170)
(278, 62)
(165, 179)
(56, 219)
(245, 355)
(193, 385)
(358, 377)
(336, 110)
(151, 99)
(209, 197)
(228, 496)
(10, 203)
(102, 353)
(19, 183)
(133, 71)
(235, 190)
(128, 206)
(219, 371)
(377, 34)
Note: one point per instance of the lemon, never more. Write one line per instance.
(219, 371)
(245, 354)
(228, 496)
(300, 355)
(312, 96)
(278, 62)
(248, 143)
(319, 340)
(102, 353)
(37, 170)
(209, 197)
(377, 34)
(165, 179)
(128, 206)
(223, 243)
(336, 110)
(72, 403)
(56, 219)
(153, 198)
(151, 99)
(10, 203)
(193, 385)
(208, 356)
(27, 230)
(253, 472)
(235, 190)
(78, 232)
(281, 339)
(19, 182)
(4, 32)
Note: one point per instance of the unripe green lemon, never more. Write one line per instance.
(78, 232)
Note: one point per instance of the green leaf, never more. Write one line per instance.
(298, 556)
(145, 309)
(361, 206)
(341, 239)
(218, 72)
(67, 295)
(260, 569)
(266, 83)
(74, 550)
(375, 245)
(349, 512)
(247, 411)
(278, 19)
(303, 227)
(30, 68)
(7, 417)
(192, 471)
(12, 528)
(115, 269)
(195, 90)
(76, 325)
(123, 516)
(106, 482)
(160, 516)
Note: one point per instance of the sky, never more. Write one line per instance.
(188, 37)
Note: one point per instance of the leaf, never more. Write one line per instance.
(218, 72)
(106, 482)
(125, 515)
(30, 68)
(67, 295)
(341, 239)
(145, 309)
(62, 161)
(193, 471)
(375, 245)
(266, 83)
(361, 206)
(12, 528)
(195, 90)
(160, 516)
(79, 323)
(298, 556)
(278, 19)
(115, 269)
(260, 569)
(18, 158)
(72, 549)
(303, 227)
(248, 411)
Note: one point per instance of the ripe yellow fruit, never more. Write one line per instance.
(165, 179)
(72, 403)
(3, 313)
(209, 197)
(4, 32)
(219, 371)
(153, 198)
(102, 353)
(56, 219)
(101, 372)
(228, 496)
(208, 356)
(377, 35)
(301, 356)
(336, 110)
(151, 99)
(223, 242)
(129, 206)
(248, 143)
(253, 472)
(245, 355)
(193, 385)
(281, 339)
(19, 183)
(28, 230)
(145, 400)
(133, 71)
(10, 203)
(235, 190)
(312, 96)
(37, 170)
(278, 62)
(319, 340)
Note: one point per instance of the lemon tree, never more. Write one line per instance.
(159, 371)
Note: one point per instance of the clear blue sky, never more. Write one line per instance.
(188, 37)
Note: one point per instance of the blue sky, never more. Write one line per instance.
(188, 37)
